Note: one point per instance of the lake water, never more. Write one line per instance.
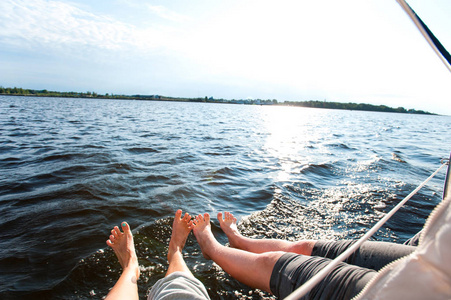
(71, 169)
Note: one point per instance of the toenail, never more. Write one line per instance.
(123, 224)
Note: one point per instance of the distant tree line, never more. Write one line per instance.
(311, 103)
(45, 93)
(354, 106)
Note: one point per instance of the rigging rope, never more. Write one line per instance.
(428, 35)
(306, 287)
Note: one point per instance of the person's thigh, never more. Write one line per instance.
(178, 285)
(371, 255)
(343, 282)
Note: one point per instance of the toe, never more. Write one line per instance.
(115, 232)
(207, 217)
(125, 227)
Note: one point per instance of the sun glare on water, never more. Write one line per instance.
(290, 131)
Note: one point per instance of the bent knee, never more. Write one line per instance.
(269, 259)
(303, 247)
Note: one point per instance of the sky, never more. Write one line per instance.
(289, 50)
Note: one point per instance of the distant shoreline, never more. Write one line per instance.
(310, 103)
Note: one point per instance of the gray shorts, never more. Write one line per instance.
(178, 285)
(371, 255)
(292, 270)
(345, 281)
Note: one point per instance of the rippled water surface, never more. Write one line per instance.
(71, 169)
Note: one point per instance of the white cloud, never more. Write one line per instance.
(56, 24)
(167, 14)
(157, 10)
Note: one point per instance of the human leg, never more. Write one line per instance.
(236, 240)
(280, 272)
(179, 282)
(180, 231)
(293, 270)
(371, 254)
(252, 269)
(122, 244)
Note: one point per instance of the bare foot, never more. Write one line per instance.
(123, 246)
(180, 230)
(202, 230)
(228, 225)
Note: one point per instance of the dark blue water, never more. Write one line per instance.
(71, 169)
